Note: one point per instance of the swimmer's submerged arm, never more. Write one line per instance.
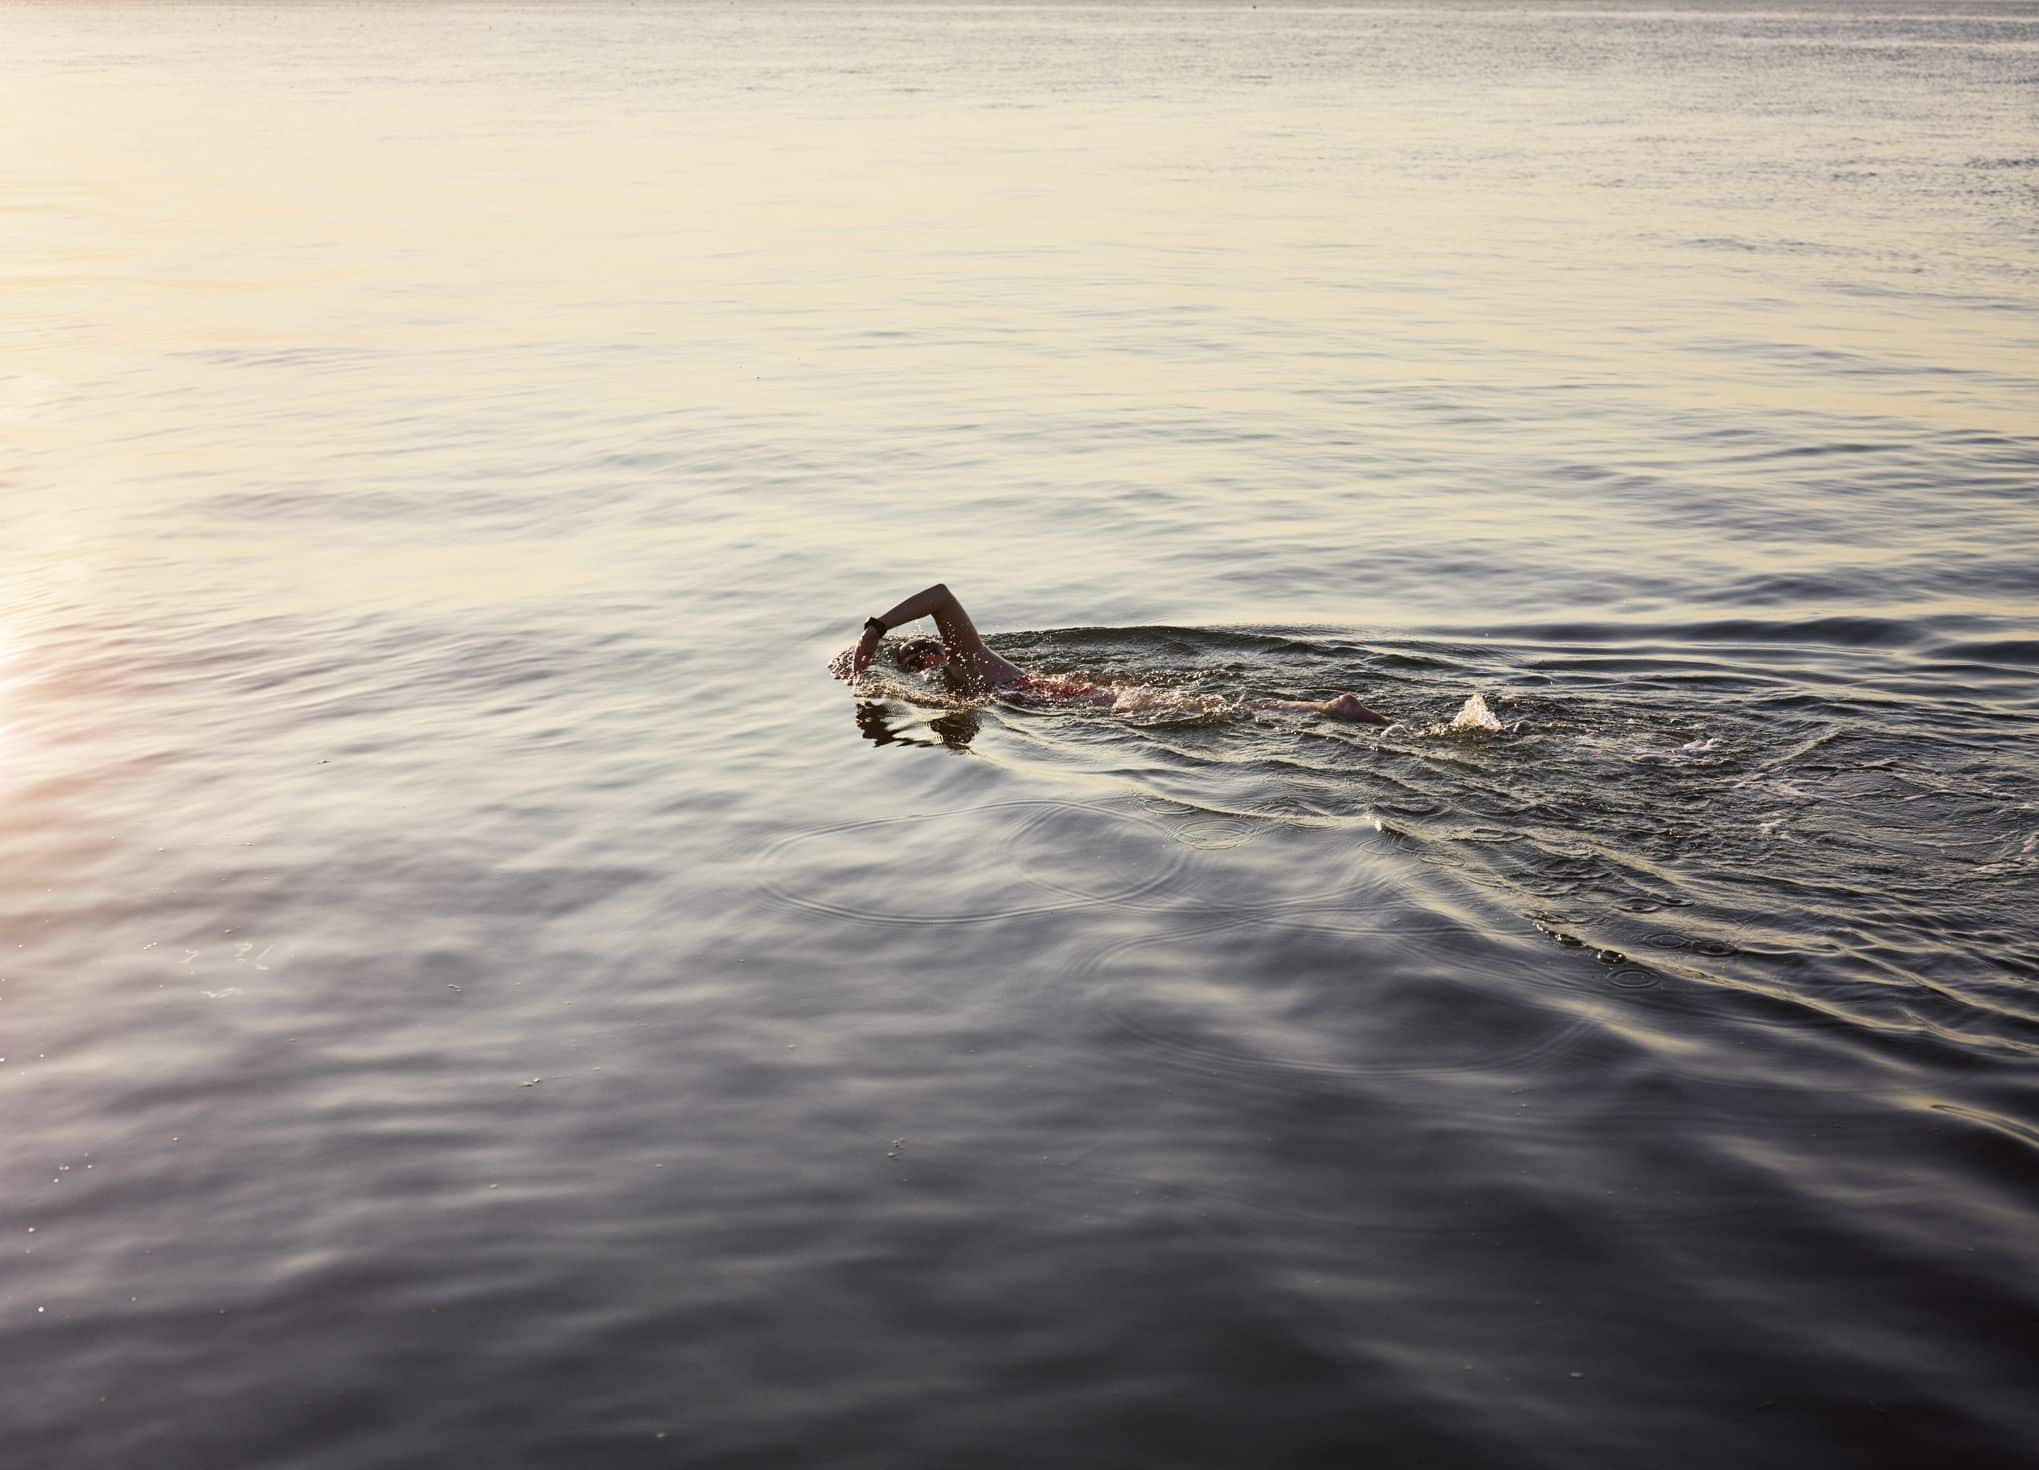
(959, 634)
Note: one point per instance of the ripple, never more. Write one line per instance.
(1214, 833)
(1238, 1003)
(929, 868)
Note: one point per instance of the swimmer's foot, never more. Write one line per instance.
(1348, 707)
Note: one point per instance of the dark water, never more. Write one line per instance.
(475, 990)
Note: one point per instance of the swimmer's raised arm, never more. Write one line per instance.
(959, 634)
(971, 666)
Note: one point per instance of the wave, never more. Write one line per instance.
(1816, 840)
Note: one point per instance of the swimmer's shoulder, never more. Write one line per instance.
(997, 672)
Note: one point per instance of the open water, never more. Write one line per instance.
(477, 992)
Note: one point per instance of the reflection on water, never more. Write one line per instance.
(893, 724)
(466, 995)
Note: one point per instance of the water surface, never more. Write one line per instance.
(478, 990)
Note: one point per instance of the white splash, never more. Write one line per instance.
(1691, 750)
(1158, 704)
(1474, 715)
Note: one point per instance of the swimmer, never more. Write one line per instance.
(961, 655)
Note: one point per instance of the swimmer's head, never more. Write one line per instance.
(918, 655)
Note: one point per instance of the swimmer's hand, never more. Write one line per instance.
(853, 661)
(860, 658)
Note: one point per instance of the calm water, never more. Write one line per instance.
(476, 991)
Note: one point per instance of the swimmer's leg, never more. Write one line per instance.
(1348, 707)
(1344, 707)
